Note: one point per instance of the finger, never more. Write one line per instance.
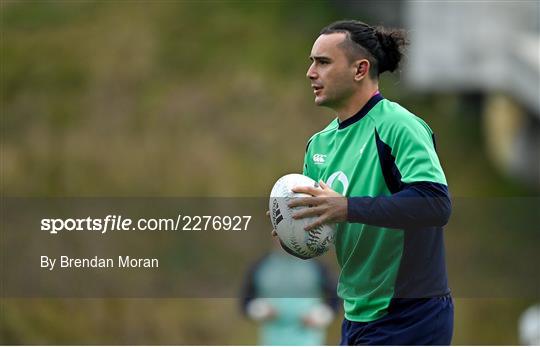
(325, 187)
(308, 212)
(268, 213)
(306, 190)
(319, 221)
(307, 201)
(274, 233)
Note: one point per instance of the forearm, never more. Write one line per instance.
(421, 204)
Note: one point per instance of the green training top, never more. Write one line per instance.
(350, 157)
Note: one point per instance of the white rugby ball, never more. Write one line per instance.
(294, 239)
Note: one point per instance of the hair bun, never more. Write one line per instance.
(391, 41)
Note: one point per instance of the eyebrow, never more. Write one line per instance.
(319, 57)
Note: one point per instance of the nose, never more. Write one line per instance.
(311, 73)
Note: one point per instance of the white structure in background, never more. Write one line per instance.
(488, 47)
(529, 326)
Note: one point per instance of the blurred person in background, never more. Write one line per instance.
(393, 198)
(292, 300)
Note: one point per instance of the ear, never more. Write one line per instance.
(362, 69)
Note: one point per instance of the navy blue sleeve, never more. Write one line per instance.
(419, 204)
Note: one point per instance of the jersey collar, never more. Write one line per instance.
(363, 111)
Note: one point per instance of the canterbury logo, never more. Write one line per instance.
(319, 158)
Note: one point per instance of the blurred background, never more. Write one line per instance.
(209, 98)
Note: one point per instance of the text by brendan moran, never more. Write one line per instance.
(65, 262)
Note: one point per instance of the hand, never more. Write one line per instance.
(274, 233)
(309, 322)
(319, 317)
(260, 310)
(270, 315)
(329, 206)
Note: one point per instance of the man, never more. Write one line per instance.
(386, 187)
(292, 300)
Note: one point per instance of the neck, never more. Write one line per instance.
(357, 101)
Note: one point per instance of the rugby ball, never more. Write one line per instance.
(294, 239)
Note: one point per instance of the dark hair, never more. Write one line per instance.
(382, 47)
